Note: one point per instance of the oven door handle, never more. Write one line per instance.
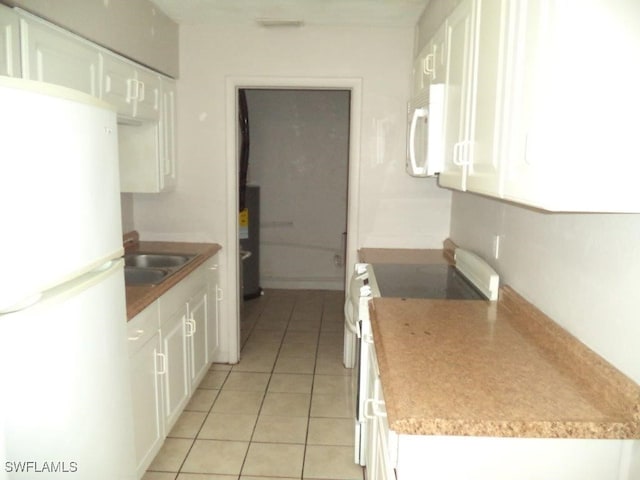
(352, 326)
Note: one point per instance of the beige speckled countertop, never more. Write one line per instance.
(477, 368)
(140, 296)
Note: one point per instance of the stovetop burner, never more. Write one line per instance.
(434, 281)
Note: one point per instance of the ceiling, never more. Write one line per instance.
(381, 13)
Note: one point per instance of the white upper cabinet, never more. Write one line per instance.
(541, 103)
(575, 102)
(52, 55)
(458, 96)
(134, 90)
(429, 66)
(9, 43)
(167, 165)
(486, 113)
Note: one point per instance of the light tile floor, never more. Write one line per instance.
(283, 412)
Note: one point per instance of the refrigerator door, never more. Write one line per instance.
(66, 401)
(59, 187)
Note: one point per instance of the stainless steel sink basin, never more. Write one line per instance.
(151, 268)
(144, 276)
(156, 260)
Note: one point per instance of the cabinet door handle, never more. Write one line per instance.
(429, 64)
(163, 361)
(374, 406)
(461, 156)
(190, 326)
(142, 92)
(138, 334)
(219, 294)
(133, 89)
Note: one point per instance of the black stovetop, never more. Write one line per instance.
(434, 281)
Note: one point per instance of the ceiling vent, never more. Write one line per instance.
(278, 23)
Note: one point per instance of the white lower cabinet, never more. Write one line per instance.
(146, 368)
(392, 456)
(169, 357)
(175, 373)
(197, 336)
(381, 443)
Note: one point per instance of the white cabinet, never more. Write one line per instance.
(183, 322)
(9, 43)
(167, 162)
(429, 66)
(572, 144)
(134, 90)
(168, 355)
(197, 337)
(458, 96)
(214, 298)
(146, 368)
(176, 366)
(52, 55)
(523, 120)
(147, 149)
(145, 100)
(487, 99)
(381, 443)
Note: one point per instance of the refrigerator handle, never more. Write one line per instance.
(21, 304)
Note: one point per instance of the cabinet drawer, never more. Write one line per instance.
(176, 298)
(142, 327)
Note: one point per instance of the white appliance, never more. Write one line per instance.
(470, 279)
(65, 407)
(425, 119)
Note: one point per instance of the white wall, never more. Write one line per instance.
(580, 269)
(299, 157)
(392, 202)
(396, 210)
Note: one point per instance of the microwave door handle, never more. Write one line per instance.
(417, 113)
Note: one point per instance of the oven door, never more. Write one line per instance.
(364, 389)
(357, 287)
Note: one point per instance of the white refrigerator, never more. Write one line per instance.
(65, 401)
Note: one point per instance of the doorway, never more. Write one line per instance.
(351, 89)
(296, 152)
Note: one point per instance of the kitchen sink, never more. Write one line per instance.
(144, 276)
(156, 260)
(150, 268)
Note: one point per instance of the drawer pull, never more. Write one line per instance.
(137, 336)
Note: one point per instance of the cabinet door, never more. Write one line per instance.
(118, 84)
(213, 311)
(146, 390)
(52, 55)
(9, 43)
(487, 94)
(573, 140)
(167, 133)
(176, 378)
(147, 104)
(197, 337)
(458, 148)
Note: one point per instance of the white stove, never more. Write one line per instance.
(470, 279)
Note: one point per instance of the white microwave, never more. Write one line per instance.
(425, 119)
